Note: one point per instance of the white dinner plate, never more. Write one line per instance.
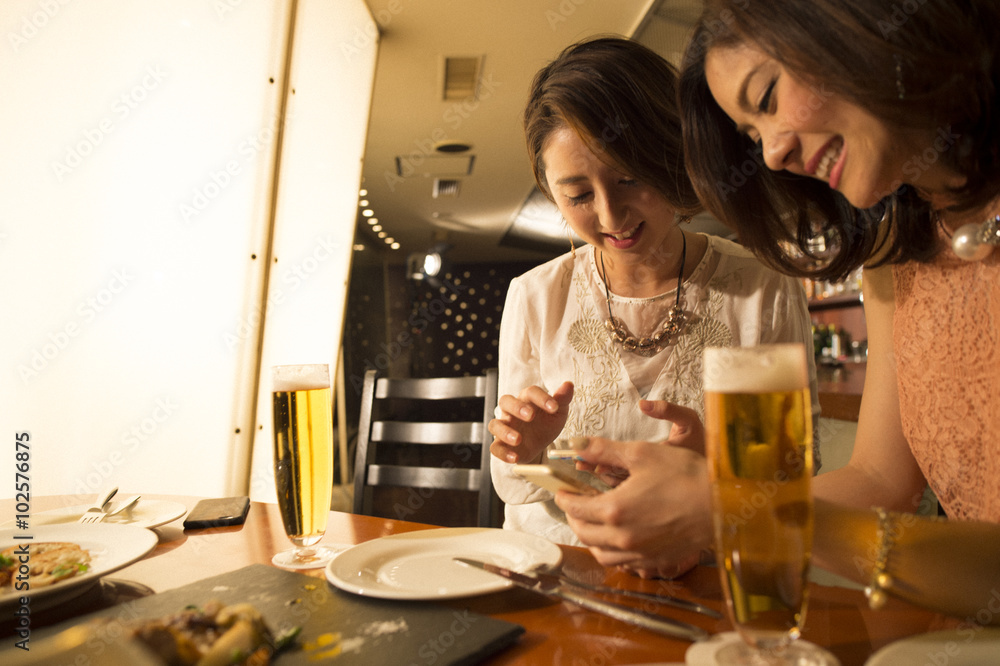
(972, 645)
(111, 547)
(702, 653)
(420, 565)
(147, 513)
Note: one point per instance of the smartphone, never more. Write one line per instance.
(564, 454)
(218, 512)
(554, 479)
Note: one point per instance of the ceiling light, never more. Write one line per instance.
(377, 227)
(363, 203)
(429, 265)
(395, 246)
(363, 193)
(432, 264)
(367, 212)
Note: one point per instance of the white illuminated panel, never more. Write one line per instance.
(138, 144)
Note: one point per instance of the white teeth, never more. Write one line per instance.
(625, 236)
(829, 159)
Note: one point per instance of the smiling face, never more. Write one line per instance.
(607, 208)
(808, 130)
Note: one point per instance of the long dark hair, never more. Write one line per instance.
(621, 98)
(931, 65)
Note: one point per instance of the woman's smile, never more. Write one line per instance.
(626, 239)
(828, 163)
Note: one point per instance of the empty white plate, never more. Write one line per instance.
(420, 565)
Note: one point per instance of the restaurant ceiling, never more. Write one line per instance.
(420, 187)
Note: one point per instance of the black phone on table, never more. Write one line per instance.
(218, 512)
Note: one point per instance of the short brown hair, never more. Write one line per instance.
(621, 98)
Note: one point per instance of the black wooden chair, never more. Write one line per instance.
(423, 450)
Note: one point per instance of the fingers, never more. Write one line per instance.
(528, 422)
(668, 411)
(505, 432)
(564, 394)
(608, 453)
(588, 515)
(686, 431)
(527, 404)
(650, 569)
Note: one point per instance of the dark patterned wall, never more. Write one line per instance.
(406, 328)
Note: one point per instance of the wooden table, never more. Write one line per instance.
(556, 633)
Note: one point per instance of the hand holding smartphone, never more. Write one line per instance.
(567, 449)
(554, 479)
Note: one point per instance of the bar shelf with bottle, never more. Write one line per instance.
(840, 342)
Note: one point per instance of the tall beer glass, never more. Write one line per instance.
(303, 460)
(758, 422)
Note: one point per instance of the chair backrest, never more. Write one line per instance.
(422, 443)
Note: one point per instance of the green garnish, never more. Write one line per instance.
(6, 562)
(64, 570)
(285, 638)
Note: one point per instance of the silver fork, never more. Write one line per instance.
(96, 514)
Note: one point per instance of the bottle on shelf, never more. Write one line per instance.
(817, 290)
(835, 343)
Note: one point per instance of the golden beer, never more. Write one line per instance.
(303, 451)
(758, 421)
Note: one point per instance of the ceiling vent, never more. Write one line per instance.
(446, 187)
(442, 166)
(461, 77)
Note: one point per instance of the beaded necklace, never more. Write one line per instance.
(650, 345)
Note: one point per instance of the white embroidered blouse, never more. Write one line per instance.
(553, 330)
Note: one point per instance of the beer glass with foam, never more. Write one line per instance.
(758, 423)
(303, 460)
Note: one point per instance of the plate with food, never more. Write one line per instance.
(145, 513)
(421, 564)
(60, 562)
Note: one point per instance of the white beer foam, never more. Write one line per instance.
(760, 369)
(300, 377)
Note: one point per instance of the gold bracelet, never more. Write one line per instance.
(881, 581)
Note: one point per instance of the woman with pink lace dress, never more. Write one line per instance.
(873, 134)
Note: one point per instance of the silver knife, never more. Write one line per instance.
(663, 625)
(649, 596)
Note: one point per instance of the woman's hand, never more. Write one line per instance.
(658, 520)
(530, 422)
(686, 431)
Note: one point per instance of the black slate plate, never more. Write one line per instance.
(337, 627)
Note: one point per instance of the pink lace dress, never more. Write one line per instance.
(947, 344)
